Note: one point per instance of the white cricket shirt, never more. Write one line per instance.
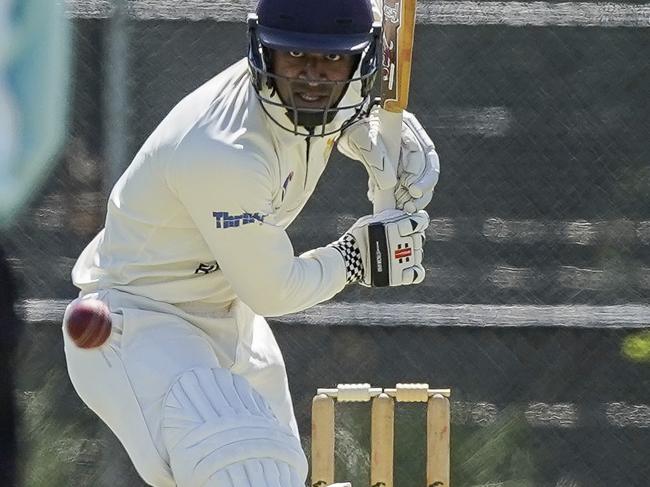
(201, 212)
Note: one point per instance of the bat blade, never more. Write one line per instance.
(398, 31)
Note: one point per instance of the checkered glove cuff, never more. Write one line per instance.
(351, 254)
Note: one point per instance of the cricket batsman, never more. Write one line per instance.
(194, 252)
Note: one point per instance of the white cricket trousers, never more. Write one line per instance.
(125, 382)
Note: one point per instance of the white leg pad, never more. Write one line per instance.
(219, 431)
(253, 473)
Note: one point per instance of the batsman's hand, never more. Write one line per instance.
(418, 167)
(385, 249)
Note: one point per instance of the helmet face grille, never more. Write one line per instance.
(314, 120)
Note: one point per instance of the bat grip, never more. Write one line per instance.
(390, 130)
(383, 199)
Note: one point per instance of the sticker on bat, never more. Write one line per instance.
(388, 63)
(392, 13)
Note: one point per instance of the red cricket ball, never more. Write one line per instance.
(88, 323)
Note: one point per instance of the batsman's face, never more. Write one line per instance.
(309, 76)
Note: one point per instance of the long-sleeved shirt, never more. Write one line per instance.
(201, 212)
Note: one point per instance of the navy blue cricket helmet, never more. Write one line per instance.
(314, 26)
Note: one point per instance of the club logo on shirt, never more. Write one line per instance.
(285, 184)
(207, 268)
(226, 220)
(403, 253)
(328, 148)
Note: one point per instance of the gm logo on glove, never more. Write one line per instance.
(403, 253)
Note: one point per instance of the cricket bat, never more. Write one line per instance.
(398, 29)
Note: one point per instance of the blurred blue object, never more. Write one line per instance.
(34, 75)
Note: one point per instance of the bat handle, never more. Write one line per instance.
(390, 130)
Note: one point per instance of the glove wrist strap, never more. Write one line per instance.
(349, 250)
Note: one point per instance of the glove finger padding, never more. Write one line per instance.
(413, 161)
(421, 182)
(414, 204)
(419, 165)
(413, 275)
(389, 246)
(415, 223)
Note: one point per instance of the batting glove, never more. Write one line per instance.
(418, 167)
(385, 249)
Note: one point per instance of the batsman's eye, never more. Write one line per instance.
(296, 53)
(333, 57)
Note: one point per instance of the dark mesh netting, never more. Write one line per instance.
(535, 306)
